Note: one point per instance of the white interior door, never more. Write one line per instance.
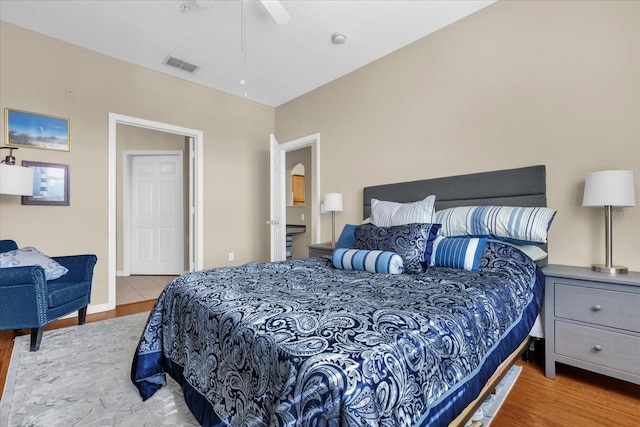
(278, 203)
(157, 235)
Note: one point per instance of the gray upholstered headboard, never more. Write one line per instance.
(510, 187)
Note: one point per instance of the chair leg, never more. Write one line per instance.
(36, 337)
(82, 315)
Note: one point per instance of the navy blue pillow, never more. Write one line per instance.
(413, 242)
(347, 239)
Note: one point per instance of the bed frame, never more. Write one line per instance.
(511, 187)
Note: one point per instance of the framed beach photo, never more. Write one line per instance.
(50, 184)
(32, 130)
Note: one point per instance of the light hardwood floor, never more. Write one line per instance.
(575, 398)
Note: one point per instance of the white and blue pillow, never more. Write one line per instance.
(31, 256)
(520, 225)
(387, 214)
(413, 242)
(458, 252)
(365, 260)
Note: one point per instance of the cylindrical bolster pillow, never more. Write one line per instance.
(366, 260)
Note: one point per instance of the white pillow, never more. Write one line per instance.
(31, 256)
(388, 214)
(536, 253)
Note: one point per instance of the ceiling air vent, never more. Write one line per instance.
(179, 63)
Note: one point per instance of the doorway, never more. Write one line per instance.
(195, 197)
(277, 214)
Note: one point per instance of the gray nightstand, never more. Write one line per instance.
(592, 321)
(321, 249)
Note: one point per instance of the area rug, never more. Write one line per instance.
(80, 376)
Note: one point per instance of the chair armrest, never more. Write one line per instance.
(80, 267)
(23, 297)
(31, 274)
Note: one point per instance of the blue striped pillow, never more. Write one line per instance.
(458, 252)
(520, 225)
(364, 260)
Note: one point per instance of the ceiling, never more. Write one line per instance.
(237, 46)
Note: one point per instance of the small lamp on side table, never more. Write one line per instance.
(333, 204)
(609, 188)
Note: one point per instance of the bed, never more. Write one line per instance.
(301, 342)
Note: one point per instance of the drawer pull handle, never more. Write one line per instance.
(597, 307)
(597, 347)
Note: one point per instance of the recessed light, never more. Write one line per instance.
(338, 38)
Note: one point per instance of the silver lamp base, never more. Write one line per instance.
(611, 269)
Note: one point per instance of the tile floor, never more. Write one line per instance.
(131, 289)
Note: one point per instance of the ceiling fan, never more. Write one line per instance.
(274, 7)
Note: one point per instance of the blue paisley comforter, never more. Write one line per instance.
(302, 343)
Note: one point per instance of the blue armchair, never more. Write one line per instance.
(28, 300)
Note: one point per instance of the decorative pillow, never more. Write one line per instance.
(371, 261)
(31, 256)
(520, 225)
(458, 252)
(386, 214)
(347, 238)
(536, 253)
(413, 242)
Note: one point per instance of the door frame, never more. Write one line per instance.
(127, 158)
(196, 204)
(312, 141)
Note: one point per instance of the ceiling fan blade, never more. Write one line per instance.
(276, 10)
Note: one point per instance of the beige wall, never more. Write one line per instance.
(34, 71)
(518, 83)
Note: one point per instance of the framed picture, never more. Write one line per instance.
(24, 129)
(50, 184)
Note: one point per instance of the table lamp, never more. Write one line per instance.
(15, 180)
(333, 204)
(609, 188)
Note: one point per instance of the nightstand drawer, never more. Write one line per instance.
(604, 348)
(598, 306)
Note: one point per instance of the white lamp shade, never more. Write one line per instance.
(17, 180)
(333, 202)
(609, 188)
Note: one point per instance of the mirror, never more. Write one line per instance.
(297, 184)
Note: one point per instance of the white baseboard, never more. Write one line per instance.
(93, 308)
